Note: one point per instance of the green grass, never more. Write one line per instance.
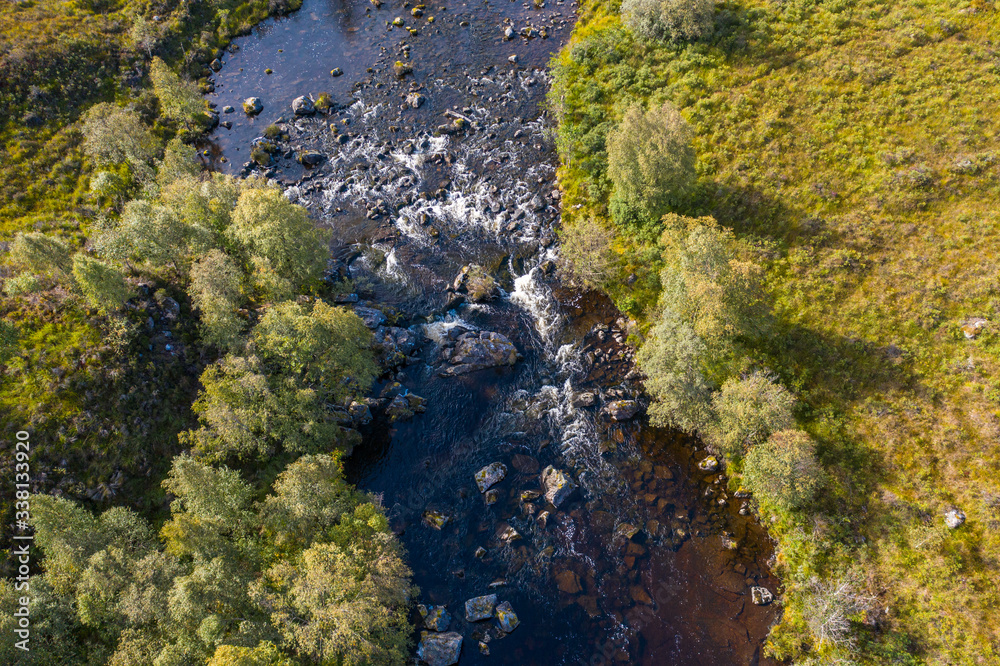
(855, 143)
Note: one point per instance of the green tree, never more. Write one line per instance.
(114, 135)
(103, 286)
(669, 20)
(179, 99)
(265, 654)
(651, 164)
(41, 254)
(215, 291)
(783, 472)
(587, 252)
(672, 359)
(346, 601)
(146, 232)
(747, 412)
(267, 225)
(179, 163)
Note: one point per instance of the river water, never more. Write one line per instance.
(650, 562)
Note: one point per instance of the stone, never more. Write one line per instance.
(508, 534)
(640, 595)
(567, 581)
(973, 327)
(403, 406)
(480, 553)
(480, 608)
(435, 519)
(440, 649)
(360, 413)
(484, 649)
(622, 410)
(525, 463)
(530, 495)
(506, 617)
(436, 618)
(252, 106)
(415, 100)
(491, 497)
(761, 596)
(336, 71)
(402, 69)
(556, 485)
(373, 318)
(476, 283)
(394, 345)
(509, 33)
(709, 464)
(216, 65)
(626, 530)
(303, 106)
(584, 399)
(228, 109)
(954, 518)
(310, 158)
(490, 475)
(478, 350)
(543, 519)
(398, 21)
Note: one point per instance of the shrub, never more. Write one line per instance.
(651, 164)
(20, 285)
(215, 291)
(783, 472)
(113, 135)
(672, 359)
(830, 606)
(102, 285)
(42, 254)
(669, 20)
(747, 412)
(179, 99)
(587, 253)
(10, 337)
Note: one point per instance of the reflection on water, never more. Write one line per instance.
(649, 561)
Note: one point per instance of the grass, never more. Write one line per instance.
(855, 144)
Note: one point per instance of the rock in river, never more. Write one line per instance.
(310, 158)
(557, 485)
(709, 464)
(480, 608)
(440, 649)
(478, 350)
(252, 106)
(506, 617)
(761, 596)
(622, 410)
(490, 475)
(436, 618)
(303, 106)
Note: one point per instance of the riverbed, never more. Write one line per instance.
(436, 154)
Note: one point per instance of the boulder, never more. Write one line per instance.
(709, 464)
(761, 596)
(480, 608)
(954, 519)
(584, 399)
(567, 581)
(490, 475)
(303, 106)
(373, 318)
(556, 485)
(525, 463)
(476, 283)
(394, 344)
(436, 618)
(435, 519)
(252, 106)
(415, 100)
(506, 617)
(480, 350)
(360, 414)
(622, 410)
(310, 158)
(336, 71)
(508, 534)
(440, 649)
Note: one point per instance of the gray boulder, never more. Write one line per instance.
(506, 617)
(303, 106)
(373, 318)
(622, 410)
(556, 485)
(490, 475)
(479, 350)
(440, 649)
(436, 618)
(252, 106)
(954, 519)
(761, 596)
(311, 158)
(480, 608)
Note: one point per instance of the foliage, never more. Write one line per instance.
(747, 412)
(103, 286)
(651, 163)
(671, 20)
(832, 605)
(783, 472)
(266, 225)
(179, 99)
(215, 291)
(115, 135)
(587, 253)
(39, 253)
(206, 593)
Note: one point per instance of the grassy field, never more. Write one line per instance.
(855, 145)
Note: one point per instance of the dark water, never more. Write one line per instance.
(408, 207)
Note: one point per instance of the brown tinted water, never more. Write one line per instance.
(408, 207)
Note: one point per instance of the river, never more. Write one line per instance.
(650, 561)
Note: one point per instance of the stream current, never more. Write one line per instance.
(650, 561)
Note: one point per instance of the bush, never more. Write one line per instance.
(215, 291)
(669, 20)
(783, 472)
(587, 253)
(20, 285)
(830, 606)
(651, 163)
(747, 412)
(179, 99)
(113, 135)
(102, 285)
(42, 254)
